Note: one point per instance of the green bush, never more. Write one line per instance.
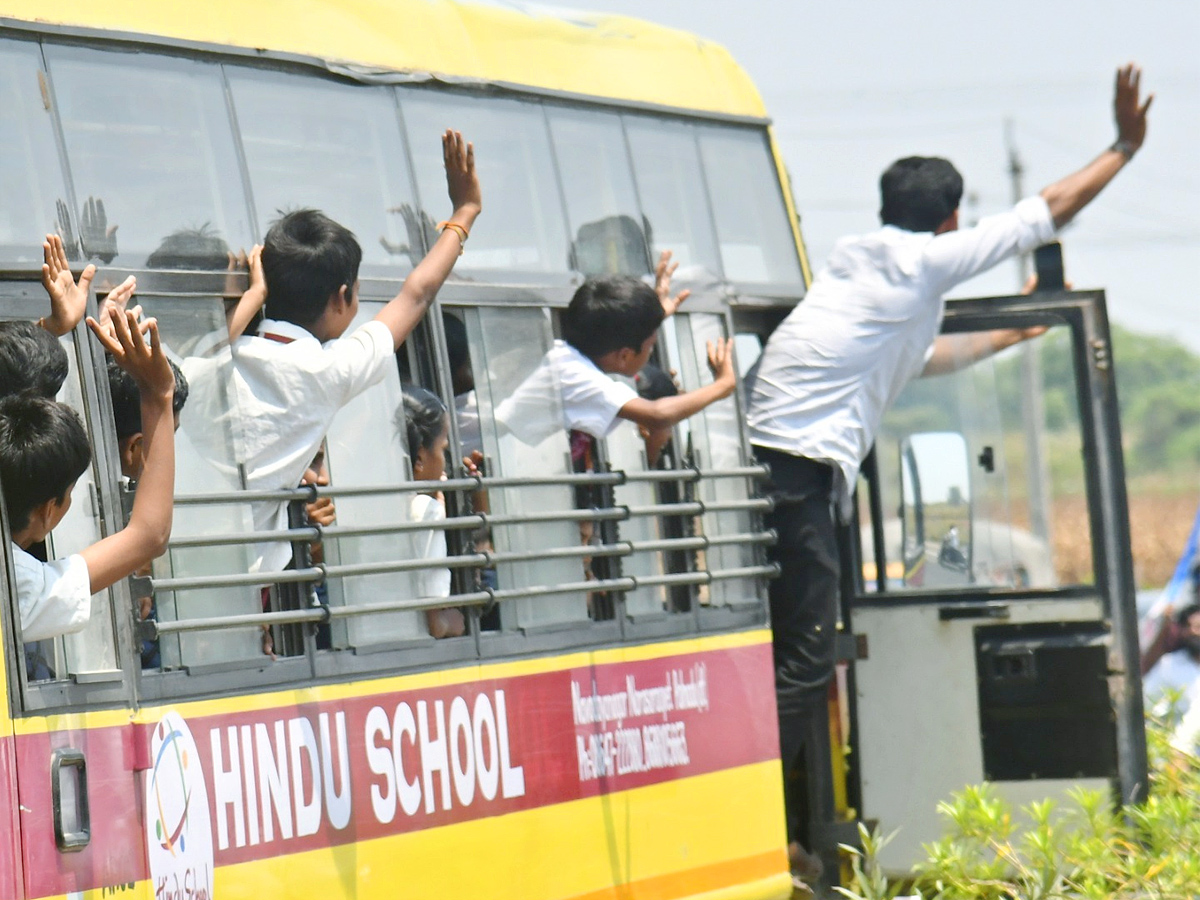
(1085, 849)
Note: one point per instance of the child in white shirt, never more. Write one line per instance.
(610, 328)
(426, 423)
(43, 451)
(291, 378)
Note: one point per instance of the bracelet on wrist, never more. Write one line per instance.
(1124, 147)
(462, 233)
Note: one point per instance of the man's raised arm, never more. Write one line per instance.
(1067, 197)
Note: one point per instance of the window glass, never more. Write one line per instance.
(366, 446)
(31, 182)
(608, 234)
(670, 184)
(194, 332)
(522, 434)
(332, 147)
(713, 440)
(752, 224)
(963, 505)
(152, 157)
(523, 228)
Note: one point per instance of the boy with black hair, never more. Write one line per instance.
(610, 328)
(292, 376)
(31, 360)
(43, 451)
(127, 415)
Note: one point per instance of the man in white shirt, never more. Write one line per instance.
(868, 325)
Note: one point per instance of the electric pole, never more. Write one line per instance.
(1033, 406)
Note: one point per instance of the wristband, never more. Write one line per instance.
(462, 233)
(1125, 148)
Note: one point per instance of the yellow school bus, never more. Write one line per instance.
(604, 724)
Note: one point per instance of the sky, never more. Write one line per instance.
(853, 86)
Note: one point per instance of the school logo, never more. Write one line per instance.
(178, 827)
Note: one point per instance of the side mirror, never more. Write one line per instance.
(935, 510)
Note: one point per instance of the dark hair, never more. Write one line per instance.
(654, 384)
(307, 257)
(422, 415)
(191, 248)
(457, 346)
(43, 451)
(31, 360)
(127, 401)
(918, 193)
(609, 313)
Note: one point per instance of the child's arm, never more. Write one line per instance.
(68, 300)
(403, 313)
(252, 301)
(666, 411)
(149, 528)
(662, 285)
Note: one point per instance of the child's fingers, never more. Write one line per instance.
(682, 295)
(150, 326)
(85, 280)
(470, 157)
(105, 338)
(60, 253)
(48, 253)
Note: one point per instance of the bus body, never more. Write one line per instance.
(605, 726)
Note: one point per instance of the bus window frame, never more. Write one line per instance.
(1069, 311)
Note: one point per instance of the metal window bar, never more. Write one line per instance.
(308, 493)
(479, 598)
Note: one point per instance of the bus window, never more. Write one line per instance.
(332, 147)
(194, 331)
(752, 224)
(521, 430)
(31, 181)
(92, 650)
(366, 446)
(670, 182)
(608, 235)
(954, 461)
(151, 154)
(714, 441)
(523, 229)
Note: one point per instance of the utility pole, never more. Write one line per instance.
(1033, 404)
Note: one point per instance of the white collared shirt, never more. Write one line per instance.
(567, 391)
(54, 597)
(287, 390)
(866, 328)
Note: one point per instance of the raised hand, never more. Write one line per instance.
(98, 237)
(1128, 110)
(720, 361)
(462, 182)
(145, 362)
(663, 270)
(68, 300)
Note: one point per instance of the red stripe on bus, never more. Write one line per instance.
(466, 751)
(10, 844)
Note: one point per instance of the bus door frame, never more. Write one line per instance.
(1085, 315)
